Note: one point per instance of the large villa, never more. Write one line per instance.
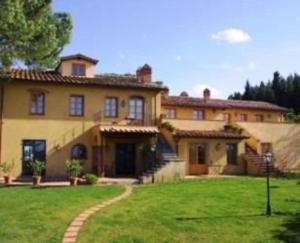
(129, 126)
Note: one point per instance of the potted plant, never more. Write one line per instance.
(74, 167)
(6, 168)
(37, 168)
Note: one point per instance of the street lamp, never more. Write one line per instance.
(268, 160)
(153, 150)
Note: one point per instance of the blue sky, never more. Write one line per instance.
(190, 44)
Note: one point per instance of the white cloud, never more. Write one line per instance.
(232, 36)
(178, 58)
(198, 89)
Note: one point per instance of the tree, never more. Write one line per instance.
(281, 91)
(278, 88)
(236, 96)
(248, 94)
(261, 91)
(32, 33)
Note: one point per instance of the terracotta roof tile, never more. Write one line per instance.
(79, 56)
(218, 103)
(129, 129)
(103, 80)
(208, 134)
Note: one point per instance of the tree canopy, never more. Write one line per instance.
(31, 32)
(281, 91)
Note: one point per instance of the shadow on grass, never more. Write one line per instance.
(12, 185)
(32, 187)
(232, 216)
(291, 230)
(48, 187)
(218, 217)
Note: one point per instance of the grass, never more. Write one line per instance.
(29, 214)
(208, 210)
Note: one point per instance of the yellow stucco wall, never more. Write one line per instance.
(65, 67)
(60, 130)
(216, 157)
(186, 113)
(285, 139)
(196, 125)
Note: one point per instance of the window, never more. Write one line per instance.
(136, 108)
(37, 106)
(226, 117)
(231, 149)
(242, 117)
(170, 113)
(76, 105)
(32, 150)
(259, 118)
(78, 69)
(198, 115)
(197, 153)
(78, 151)
(201, 154)
(111, 107)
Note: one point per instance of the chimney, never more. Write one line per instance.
(184, 94)
(165, 93)
(206, 94)
(144, 74)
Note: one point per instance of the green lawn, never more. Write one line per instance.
(42, 215)
(207, 210)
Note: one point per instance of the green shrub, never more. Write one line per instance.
(168, 126)
(291, 175)
(7, 167)
(37, 167)
(91, 179)
(74, 167)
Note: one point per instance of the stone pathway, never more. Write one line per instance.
(72, 232)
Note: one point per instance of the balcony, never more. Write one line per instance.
(192, 124)
(126, 119)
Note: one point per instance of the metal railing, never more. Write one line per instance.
(125, 118)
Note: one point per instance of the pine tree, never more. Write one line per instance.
(281, 91)
(248, 94)
(261, 91)
(32, 33)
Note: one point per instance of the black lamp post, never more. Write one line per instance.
(268, 160)
(153, 150)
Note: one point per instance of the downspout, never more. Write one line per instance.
(155, 106)
(102, 156)
(1, 119)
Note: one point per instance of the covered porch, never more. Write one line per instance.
(123, 151)
(211, 152)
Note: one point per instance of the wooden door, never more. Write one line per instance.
(197, 159)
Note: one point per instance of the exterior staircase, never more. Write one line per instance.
(256, 164)
(167, 166)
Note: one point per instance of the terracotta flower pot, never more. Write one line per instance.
(73, 181)
(7, 180)
(36, 180)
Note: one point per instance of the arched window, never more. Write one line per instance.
(78, 151)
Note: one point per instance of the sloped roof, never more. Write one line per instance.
(104, 80)
(129, 129)
(208, 134)
(219, 103)
(79, 56)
